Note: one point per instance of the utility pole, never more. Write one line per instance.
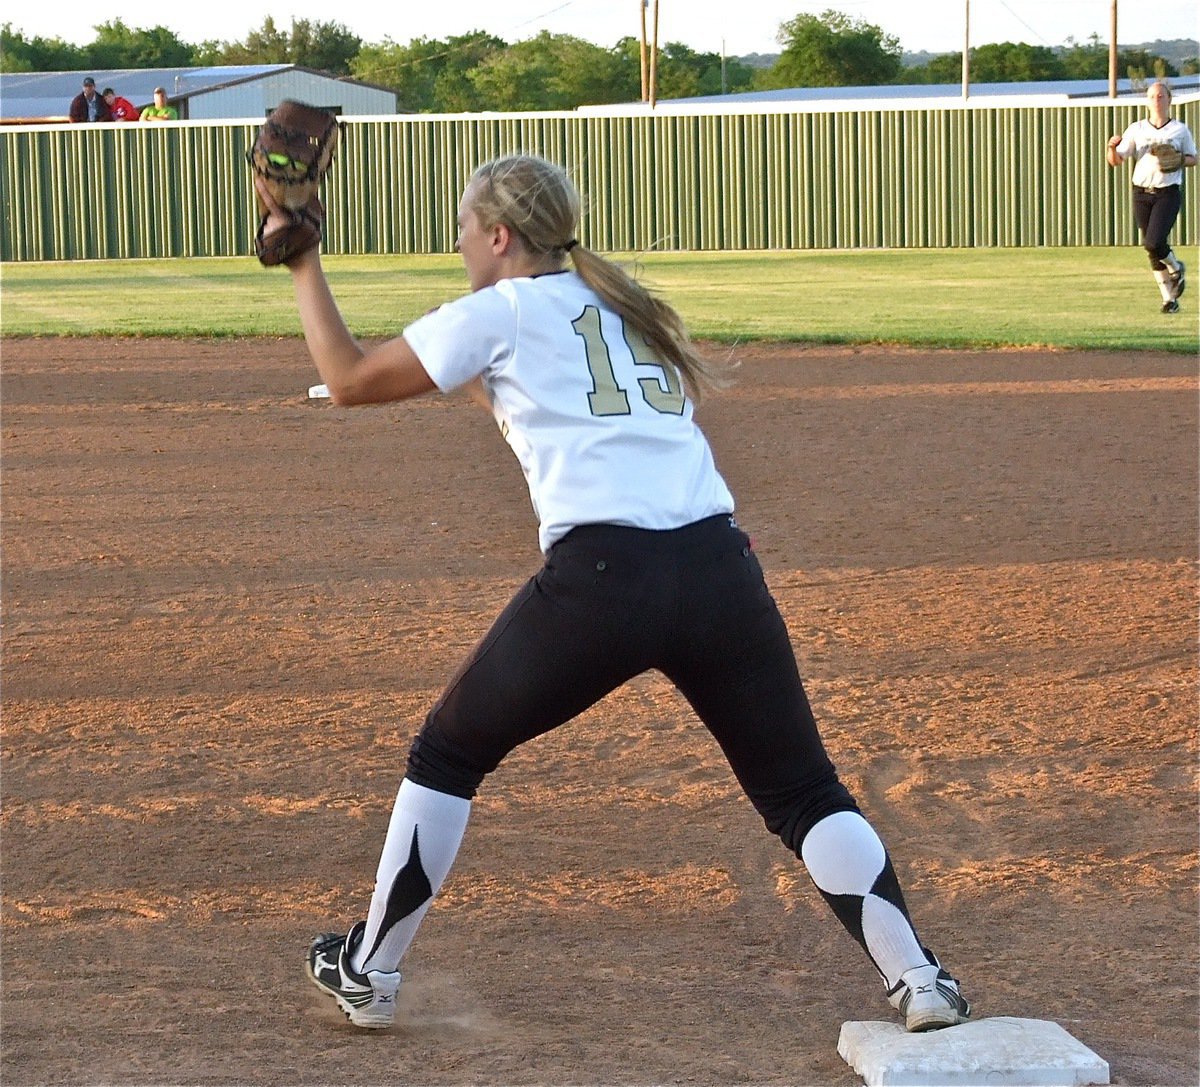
(966, 65)
(642, 5)
(1112, 50)
(654, 60)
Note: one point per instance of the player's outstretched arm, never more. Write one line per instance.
(388, 372)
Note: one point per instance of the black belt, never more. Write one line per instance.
(1143, 188)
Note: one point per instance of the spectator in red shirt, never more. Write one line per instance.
(121, 108)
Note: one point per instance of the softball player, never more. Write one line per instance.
(1161, 148)
(591, 380)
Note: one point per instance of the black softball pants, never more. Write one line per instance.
(611, 603)
(1155, 211)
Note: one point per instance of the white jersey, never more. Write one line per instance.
(1137, 140)
(602, 429)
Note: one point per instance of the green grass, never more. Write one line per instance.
(1072, 298)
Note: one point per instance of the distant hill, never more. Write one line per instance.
(1175, 50)
(915, 60)
(1178, 51)
(759, 60)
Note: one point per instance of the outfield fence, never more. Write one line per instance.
(983, 176)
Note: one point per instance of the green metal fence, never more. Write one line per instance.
(1019, 176)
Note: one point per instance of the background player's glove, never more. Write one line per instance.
(1168, 155)
(292, 153)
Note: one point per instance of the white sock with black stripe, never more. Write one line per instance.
(422, 841)
(845, 858)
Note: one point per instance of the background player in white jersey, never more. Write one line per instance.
(1161, 148)
(591, 380)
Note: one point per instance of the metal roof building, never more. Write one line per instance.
(228, 92)
(906, 96)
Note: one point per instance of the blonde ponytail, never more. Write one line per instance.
(536, 199)
(657, 321)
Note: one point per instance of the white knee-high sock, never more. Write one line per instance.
(422, 841)
(1163, 277)
(846, 859)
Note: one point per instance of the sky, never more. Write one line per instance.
(708, 26)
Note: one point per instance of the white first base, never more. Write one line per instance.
(318, 392)
(997, 1051)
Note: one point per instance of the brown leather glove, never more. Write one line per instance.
(292, 153)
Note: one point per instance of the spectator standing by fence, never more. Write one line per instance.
(87, 105)
(121, 108)
(160, 111)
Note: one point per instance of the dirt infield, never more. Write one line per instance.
(226, 610)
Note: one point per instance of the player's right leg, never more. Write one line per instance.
(735, 664)
(850, 867)
(1157, 213)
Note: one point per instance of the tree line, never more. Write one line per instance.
(477, 71)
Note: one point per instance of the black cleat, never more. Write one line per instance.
(369, 1000)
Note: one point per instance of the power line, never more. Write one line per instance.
(546, 14)
(1005, 6)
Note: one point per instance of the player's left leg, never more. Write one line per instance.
(359, 968)
(573, 633)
